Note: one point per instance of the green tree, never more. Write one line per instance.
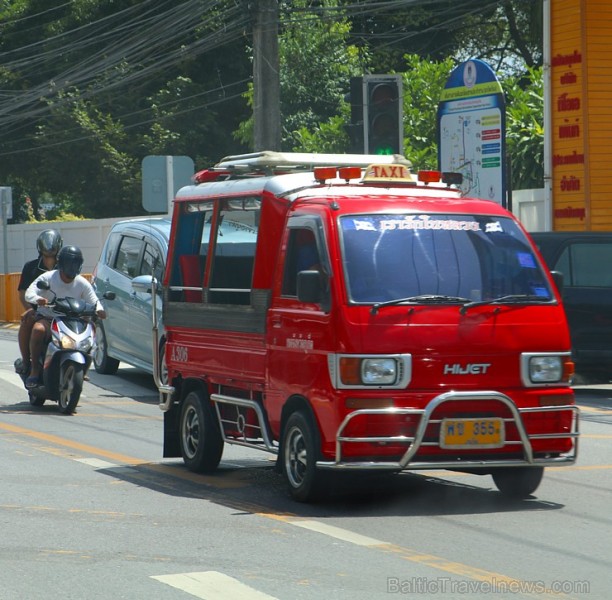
(525, 128)
(89, 91)
(316, 64)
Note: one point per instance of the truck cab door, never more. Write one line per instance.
(300, 335)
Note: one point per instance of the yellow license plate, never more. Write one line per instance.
(471, 433)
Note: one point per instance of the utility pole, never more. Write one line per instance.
(266, 79)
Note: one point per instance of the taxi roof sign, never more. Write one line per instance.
(385, 173)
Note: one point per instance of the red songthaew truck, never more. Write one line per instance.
(353, 316)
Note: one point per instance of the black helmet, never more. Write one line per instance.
(70, 261)
(49, 241)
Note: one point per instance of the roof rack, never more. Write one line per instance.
(270, 162)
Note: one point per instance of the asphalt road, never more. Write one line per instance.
(90, 510)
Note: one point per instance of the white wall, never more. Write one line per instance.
(529, 207)
(89, 236)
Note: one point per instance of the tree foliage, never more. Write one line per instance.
(90, 88)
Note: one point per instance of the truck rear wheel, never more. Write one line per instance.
(200, 439)
(306, 483)
(518, 482)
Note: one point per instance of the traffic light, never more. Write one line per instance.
(355, 128)
(382, 114)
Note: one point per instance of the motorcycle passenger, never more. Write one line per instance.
(64, 282)
(48, 244)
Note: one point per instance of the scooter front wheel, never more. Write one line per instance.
(71, 386)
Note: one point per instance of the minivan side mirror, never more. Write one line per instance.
(143, 284)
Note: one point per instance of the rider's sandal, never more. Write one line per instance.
(31, 382)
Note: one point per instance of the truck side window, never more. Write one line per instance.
(231, 273)
(302, 255)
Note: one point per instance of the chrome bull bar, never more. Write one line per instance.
(416, 443)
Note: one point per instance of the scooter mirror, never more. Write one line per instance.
(43, 285)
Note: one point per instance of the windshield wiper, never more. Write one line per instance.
(420, 299)
(509, 299)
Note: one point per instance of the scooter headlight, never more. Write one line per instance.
(85, 345)
(65, 342)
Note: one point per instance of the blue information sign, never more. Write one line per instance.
(472, 130)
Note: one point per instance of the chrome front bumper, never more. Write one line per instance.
(417, 442)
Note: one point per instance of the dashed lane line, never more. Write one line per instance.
(212, 585)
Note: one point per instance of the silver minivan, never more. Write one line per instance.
(134, 247)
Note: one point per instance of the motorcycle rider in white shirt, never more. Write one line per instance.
(64, 282)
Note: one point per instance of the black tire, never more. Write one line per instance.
(518, 482)
(70, 386)
(35, 400)
(199, 436)
(300, 448)
(103, 363)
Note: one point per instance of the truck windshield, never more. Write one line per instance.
(445, 258)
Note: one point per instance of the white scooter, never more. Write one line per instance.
(67, 356)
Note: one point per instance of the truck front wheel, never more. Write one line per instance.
(200, 438)
(306, 483)
(518, 482)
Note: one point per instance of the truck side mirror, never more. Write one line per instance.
(309, 286)
(558, 279)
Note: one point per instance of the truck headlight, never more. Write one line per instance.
(361, 371)
(379, 371)
(545, 368)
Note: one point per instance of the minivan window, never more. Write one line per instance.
(128, 255)
(152, 262)
(394, 256)
(586, 265)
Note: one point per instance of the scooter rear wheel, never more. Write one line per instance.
(71, 386)
(35, 400)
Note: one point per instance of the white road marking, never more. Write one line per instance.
(96, 463)
(12, 378)
(212, 585)
(337, 532)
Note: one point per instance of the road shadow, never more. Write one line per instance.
(258, 488)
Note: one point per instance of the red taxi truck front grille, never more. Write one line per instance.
(446, 434)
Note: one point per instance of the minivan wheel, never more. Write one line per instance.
(103, 363)
(200, 439)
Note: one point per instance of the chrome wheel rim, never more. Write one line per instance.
(191, 432)
(296, 457)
